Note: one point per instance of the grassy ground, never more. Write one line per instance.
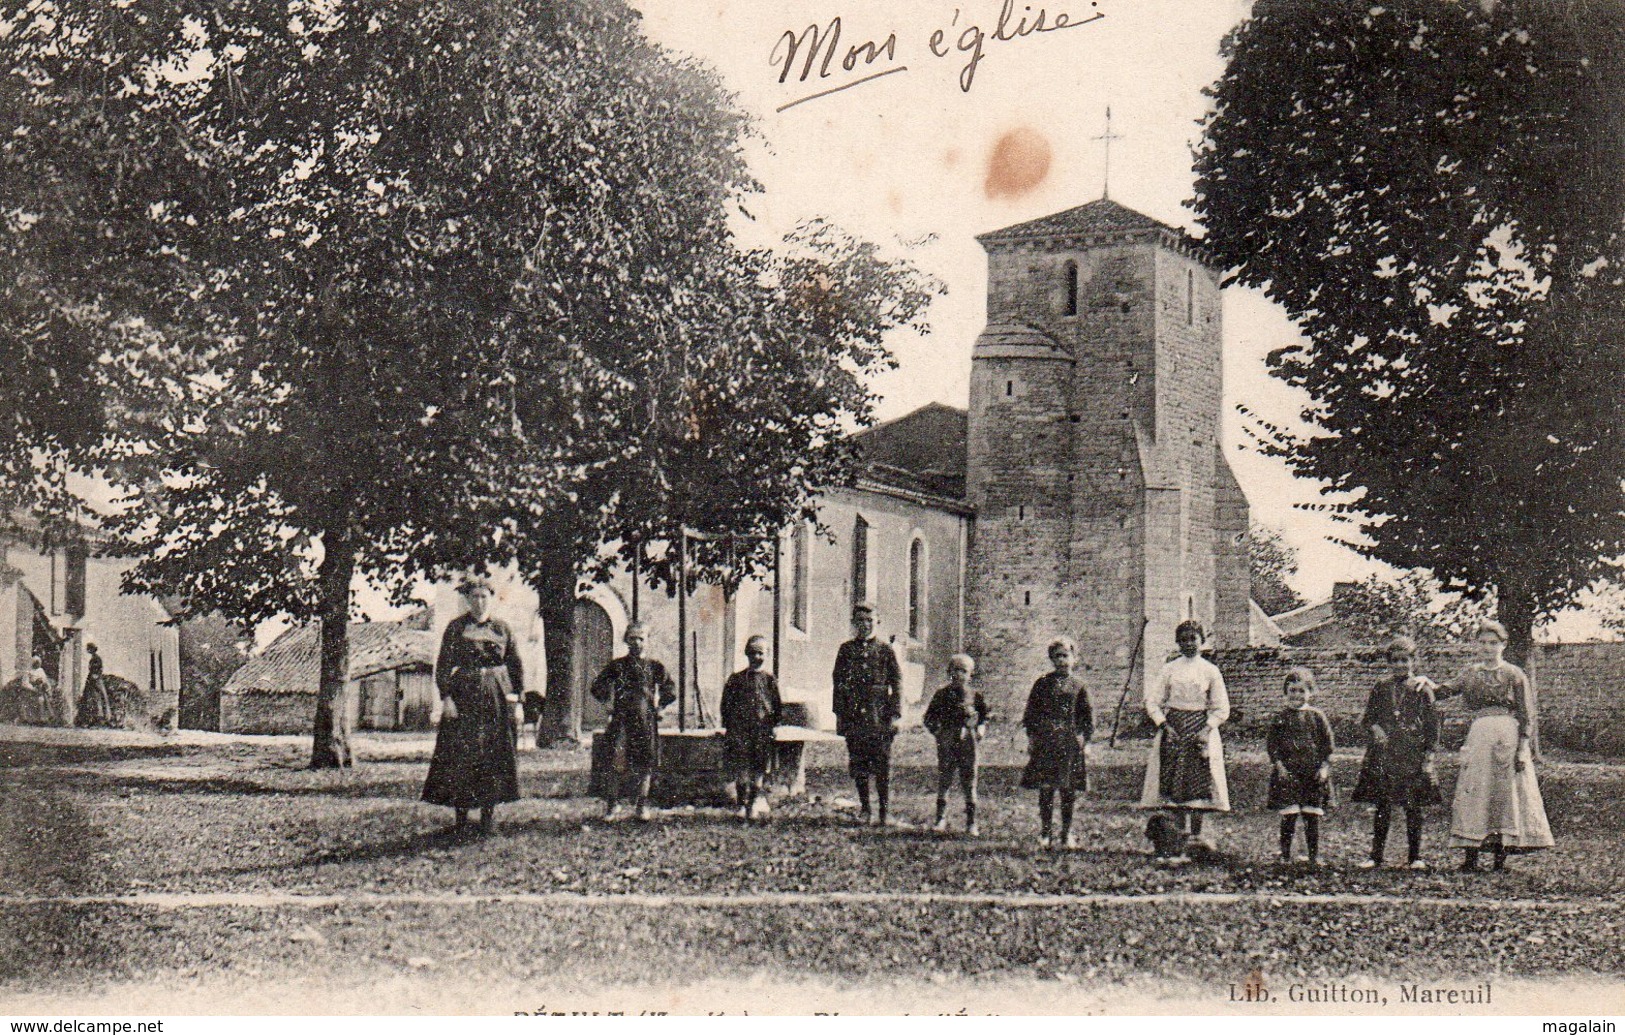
(86, 818)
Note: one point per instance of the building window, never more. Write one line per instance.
(800, 549)
(916, 589)
(73, 584)
(1009, 389)
(1071, 283)
(860, 559)
(1190, 297)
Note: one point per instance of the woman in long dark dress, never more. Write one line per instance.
(479, 675)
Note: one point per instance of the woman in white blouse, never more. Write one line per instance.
(1188, 703)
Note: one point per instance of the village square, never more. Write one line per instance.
(452, 565)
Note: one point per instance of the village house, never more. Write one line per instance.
(391, 677)
(57, 596)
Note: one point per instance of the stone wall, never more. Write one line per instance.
(1577, 686)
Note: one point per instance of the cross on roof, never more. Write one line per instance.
(1108, 137)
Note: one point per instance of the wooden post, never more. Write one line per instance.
(682, 631)
(778, 569)
(637, 578)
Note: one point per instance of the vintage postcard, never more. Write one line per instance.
(946, 507)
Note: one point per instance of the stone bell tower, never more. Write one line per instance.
(1103, 500)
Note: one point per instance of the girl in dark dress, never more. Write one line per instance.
(1300, 752)
(1059, 723)
(480, 677)
(1402, 721)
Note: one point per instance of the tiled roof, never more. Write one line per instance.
(923, 451)
(292, 663)
(1097, 217)
(1306, 618)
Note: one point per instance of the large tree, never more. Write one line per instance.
(1410, 603)
(741, 415)
(1431, 190)
(332, 250)
(1274, 564)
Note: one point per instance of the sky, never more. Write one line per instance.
(904, 160)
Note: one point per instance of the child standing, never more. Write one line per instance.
(1402, 721)
(750, 711)
(1300, 751)
(1188, 703)
(957, 718)
(1059, 723)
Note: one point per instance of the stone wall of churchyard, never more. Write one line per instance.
(1580, 689)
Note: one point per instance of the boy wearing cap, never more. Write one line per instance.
(868, 701)
(635, 688)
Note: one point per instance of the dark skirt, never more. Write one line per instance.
(1183, 773)
(1389, 777)
(476, 760)
(868, 752)
(1302, 791)
(750, 750)
(1055, 762)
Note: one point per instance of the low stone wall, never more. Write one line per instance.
(264, 712)
(1579, 688)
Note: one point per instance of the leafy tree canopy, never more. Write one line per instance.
(1431, 190)
(1412, 604)
(1274, 564)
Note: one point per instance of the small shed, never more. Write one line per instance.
(391, 680)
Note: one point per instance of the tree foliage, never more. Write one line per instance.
(1431, 190)
(1412, 604)
(1274, 564)
(413, 286)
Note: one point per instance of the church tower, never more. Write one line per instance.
(1102, 496)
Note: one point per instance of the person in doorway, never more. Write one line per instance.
(635, 688)
(479, 674)
(868, 699)
(750, 711)
(1187, 703)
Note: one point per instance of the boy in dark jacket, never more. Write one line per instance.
(957, 717)
(750, 711)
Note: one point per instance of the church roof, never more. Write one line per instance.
(1101, 219)
(922, 452)
(1100, 216)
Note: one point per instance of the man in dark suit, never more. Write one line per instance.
(868, 709)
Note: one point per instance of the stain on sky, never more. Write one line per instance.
(1018, 164)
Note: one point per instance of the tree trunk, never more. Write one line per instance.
(330, 746)
(1516, 610)
(555, 585)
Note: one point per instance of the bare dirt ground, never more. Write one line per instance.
(217, 874)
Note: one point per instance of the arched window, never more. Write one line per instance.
(916, 588)
(1070, 277)
(1190, 297)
